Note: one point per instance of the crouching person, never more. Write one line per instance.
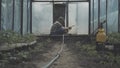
(57, 29)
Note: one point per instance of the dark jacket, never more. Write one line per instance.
(57, 29)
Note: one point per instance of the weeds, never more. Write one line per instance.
(102, 58)
(13, 37)
(25, 54)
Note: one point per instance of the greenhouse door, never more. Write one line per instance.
(58, 10)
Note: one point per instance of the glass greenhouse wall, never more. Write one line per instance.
(15, 15)
(60, 0)
(112, 16)
(42, 17)
(104, 10)
(36, 16)
(79, 16)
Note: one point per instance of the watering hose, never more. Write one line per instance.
(56, 56)
(52, 61)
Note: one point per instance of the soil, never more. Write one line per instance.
(87, 61)
(69, 58)
(38, 60)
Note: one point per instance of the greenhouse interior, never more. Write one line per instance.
(59, 34)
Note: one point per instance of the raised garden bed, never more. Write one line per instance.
(7, 46)
(10, 40)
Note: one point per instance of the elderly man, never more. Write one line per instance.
(58, 29)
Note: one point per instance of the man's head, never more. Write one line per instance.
(61, 20)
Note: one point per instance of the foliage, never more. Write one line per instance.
(114, 38)
(25, 54)
(87, 48)
(103, 57)
(110, 58)
(13, 37)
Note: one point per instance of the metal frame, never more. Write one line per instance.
(98, 12)
(67, 15)
(67, 19)
(27, 16)
(21, 26)
(89, 26)
(0, 13)
(119, 16)
(13, 15)
(30, 16)
(106, 16)
(21, 31)
(93, 13)
(93, 16)
(60, 1)
(53, 9)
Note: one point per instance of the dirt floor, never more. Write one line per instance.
(69, 58)
(39, 59)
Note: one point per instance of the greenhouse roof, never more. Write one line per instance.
(61, 0)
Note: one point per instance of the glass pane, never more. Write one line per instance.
(91, 20)
(95, 15)
(7, 14)
(42, 0)
(17, 15)
(72, 18)
(83, 18)
(28, 16)
(112, 16)
(103, 12)
(60, 0)
(42, 18)
(79, 17)
(78, 0)
(25, 16)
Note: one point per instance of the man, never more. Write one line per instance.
(58, 29)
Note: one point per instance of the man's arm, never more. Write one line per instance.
(69, 28)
